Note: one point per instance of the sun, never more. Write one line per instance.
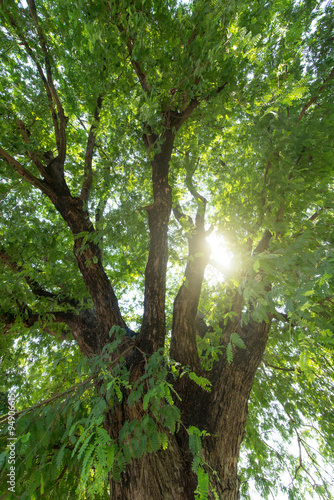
(221, 258)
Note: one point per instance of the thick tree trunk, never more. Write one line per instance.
(164, 475)
(167, 474)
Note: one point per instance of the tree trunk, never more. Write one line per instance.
(167, 474)
(163, 475)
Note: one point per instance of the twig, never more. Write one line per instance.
(315, 97)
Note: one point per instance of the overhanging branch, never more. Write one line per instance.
(30, 318)
(280, 368)
(50, 400)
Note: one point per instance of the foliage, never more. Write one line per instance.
(246, 88)
(66, 432)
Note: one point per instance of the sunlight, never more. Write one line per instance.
(221, 259)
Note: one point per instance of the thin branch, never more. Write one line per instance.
(179, 215)
(315, 97)
(312, 218)
(179, 118)
(136, 66)
(192, 36)
(60, 395)
(25, 174)
(279, 367)
(31, 155)
(41, 74)
(220, 267)
(62, 473)
(200, 199)
(61, 143)
(280, 316)
(216, 92)
(63, 335)
(264, 242)
(299, 158)
(33, 284)
(49, 400)
(87, 183)
(263, 199)
(319, 468)
(300, 465)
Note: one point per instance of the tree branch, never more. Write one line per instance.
(25, 174)
(264, 242)
(31, 154)
(279, 367)
(180, 216)
(201, 200)
(29, 318)
(87, 256)
(87, 183)
(31, 54)
(35, 287)
(136, 66)
(311, 219)
(50, 400)
(61, 126)
(268, 167)
(183, 347)
(178, 119)
(315, 97)
(221, 268)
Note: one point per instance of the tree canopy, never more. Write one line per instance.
(138, 140)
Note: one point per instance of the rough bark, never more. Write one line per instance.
(164, 475)
(232, 385)
(87, 255)
(222, 412)
(154, 324)
(184, 330)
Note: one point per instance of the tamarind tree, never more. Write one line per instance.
(135, 138)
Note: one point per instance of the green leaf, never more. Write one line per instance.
(235, 339)
(229, 352)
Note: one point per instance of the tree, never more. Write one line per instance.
(130, 132)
